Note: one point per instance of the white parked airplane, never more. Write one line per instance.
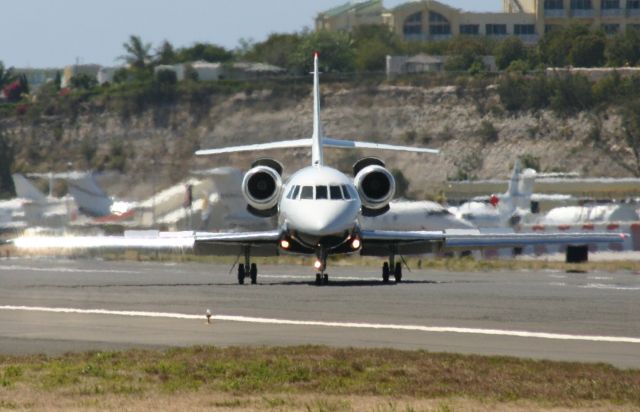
(318, 210)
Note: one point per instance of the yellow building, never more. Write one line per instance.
(350, 15)
(527, 19)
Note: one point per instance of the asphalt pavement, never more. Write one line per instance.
(55, 305)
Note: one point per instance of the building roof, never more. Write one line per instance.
(426, 59)
(351, 5)
(412, 2)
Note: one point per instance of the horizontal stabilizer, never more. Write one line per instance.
(326, 142)
(352, 144)
(286, 144)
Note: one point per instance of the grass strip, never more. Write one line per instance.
(313, 370)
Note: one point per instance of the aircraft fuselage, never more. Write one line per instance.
(320, 207)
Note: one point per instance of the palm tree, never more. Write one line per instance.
(138, 53)
(6, 75)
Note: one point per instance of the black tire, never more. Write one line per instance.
(398, 272)
(325, 279)
(385, 272)
(318, 279)
(577, 254)
(254, 273)
(241, 274)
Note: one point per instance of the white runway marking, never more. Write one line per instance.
(68, 270)
(415, 328)
(609, 287)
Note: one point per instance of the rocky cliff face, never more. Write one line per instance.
(478, 138)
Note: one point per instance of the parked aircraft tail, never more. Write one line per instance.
(26, 190)
(89, 196)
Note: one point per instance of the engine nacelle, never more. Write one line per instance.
(376, 187)
(261, 188)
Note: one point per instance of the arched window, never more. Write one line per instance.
(438, 24)
(413, 24)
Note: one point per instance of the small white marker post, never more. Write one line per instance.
(208, 316)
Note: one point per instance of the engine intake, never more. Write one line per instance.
(376, 187)
(261, 188)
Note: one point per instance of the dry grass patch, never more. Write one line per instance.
(309, 378)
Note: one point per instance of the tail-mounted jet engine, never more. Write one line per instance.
(375, 185)
(261, 187)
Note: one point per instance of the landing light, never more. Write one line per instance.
(356, 244)
(284, 243)
(317, 264)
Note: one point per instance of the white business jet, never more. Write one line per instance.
(318, 210)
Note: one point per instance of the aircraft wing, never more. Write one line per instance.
(382, 243)
(263, 243)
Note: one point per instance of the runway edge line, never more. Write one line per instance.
(352, 325)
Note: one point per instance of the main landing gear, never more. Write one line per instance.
(247, 269)
(392, 268)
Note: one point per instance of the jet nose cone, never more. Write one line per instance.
(331, 219)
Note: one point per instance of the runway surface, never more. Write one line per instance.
(54, 306)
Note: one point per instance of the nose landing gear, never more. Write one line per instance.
(321, 265)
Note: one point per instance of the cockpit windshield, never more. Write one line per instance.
(307, 192)
(319, 192)
(336, 193)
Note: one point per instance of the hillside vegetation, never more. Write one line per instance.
(145, 127)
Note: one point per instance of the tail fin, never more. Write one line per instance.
(89, 196)
(318, 140)
(316, 144)
(26, 190)
(515, 179)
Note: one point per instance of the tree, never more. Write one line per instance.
(7, 157)
(370, 56)
(205, 52)
(372, 44)
(588, 51)
(624, 49)
(555, 47)
(6, 75)
(335, 48)
(165, 54)
(508, 51)
(138, 52)
(83, 81)
(278, 49)
(465, 53)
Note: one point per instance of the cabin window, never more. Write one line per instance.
(296, 190)
(321, 192)
(335, 192)
(307, 192)
(346, 193)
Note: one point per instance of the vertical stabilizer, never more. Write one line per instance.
(515, 179)
(26, 190)
(89, 196)
(316, 145)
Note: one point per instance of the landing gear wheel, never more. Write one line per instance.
(325, 279)
(318, 279)
(398, 272)
(385, 272)
(241, 274)
(254, 273)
